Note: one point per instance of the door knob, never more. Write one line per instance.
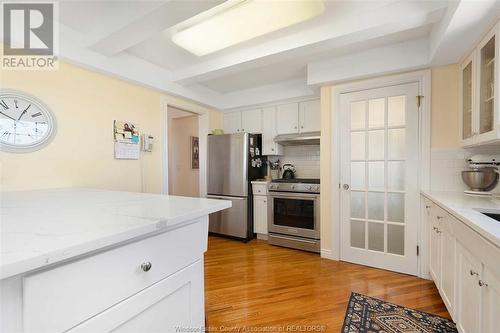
(346, 186)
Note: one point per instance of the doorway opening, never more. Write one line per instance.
(183, 153)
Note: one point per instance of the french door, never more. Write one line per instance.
(379, 143)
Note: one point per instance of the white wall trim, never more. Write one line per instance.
(328, 254)
(203, 130)
(423, 78)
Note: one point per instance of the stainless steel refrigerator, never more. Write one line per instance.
(234, 160)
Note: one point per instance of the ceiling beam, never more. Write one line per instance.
(463, 25)
(156, 21)
(327, 37)
(405, 56)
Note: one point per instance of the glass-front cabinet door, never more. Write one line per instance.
(479, 89)
(487, 68)
(467, 100)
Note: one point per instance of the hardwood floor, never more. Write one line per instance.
(259, 285)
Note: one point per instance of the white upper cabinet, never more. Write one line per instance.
(251, 121)
(269, 147)
(468, 71)
(232, 122)
(479, 112)
(310, 116)
(287, 118)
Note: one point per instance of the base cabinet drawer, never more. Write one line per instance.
(58, 299)
(174, 304)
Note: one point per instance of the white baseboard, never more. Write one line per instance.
(328, 254)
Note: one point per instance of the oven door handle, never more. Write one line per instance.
(294, 196)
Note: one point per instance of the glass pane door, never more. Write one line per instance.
(379, 149)
(467, 101)
(487, 87)
(378, 155)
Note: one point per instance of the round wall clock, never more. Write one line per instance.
(26, 124)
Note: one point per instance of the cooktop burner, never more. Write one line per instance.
(297, 180)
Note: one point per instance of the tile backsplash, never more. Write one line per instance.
(448, 164)
(305, 158)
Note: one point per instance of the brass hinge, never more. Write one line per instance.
(419, 100)
(418, 250)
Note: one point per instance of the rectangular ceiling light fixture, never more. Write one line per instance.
(243, 21)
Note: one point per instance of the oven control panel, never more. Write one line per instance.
(294, 187)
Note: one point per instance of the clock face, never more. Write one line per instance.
(26, 124)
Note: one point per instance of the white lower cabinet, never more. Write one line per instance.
(469, 295)
(465, 269)
(178, 296)
(447, 263)
(490, 302)
(260, 215)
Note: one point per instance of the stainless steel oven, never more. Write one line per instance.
(294, 216)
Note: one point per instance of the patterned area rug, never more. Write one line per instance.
(367, 314)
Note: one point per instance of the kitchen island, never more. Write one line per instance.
(92, 260)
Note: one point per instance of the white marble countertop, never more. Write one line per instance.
(39, 228)
(467, 209)
(259, 181)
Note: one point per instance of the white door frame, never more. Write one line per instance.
(424, 81)
(203, 131)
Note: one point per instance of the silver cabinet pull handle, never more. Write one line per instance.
(482, 283)
(473, 273)
(146, 266)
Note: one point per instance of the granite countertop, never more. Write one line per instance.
(467, 209)
(39, 228)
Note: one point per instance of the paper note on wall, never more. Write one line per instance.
(127, 151)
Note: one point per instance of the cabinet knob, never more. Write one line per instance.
(146, 266)
(482, 283)
(427, 207)
(243, 130)
(345, 186)
(301, 126)
(440, 217)
(237, 130)
(265, 201)
(473, 273)
(295, 127)
(272, 149)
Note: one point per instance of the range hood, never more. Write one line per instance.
(311, 138)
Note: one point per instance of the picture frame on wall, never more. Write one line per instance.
(195, 152)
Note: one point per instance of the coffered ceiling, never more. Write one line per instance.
(132, 39)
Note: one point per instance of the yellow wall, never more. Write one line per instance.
(444, 115)
(85, 104)
(445, 99)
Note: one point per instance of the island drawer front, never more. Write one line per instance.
(58, 299)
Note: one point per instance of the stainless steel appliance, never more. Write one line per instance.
(234, 160)
(294, 213)
(483, 174)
